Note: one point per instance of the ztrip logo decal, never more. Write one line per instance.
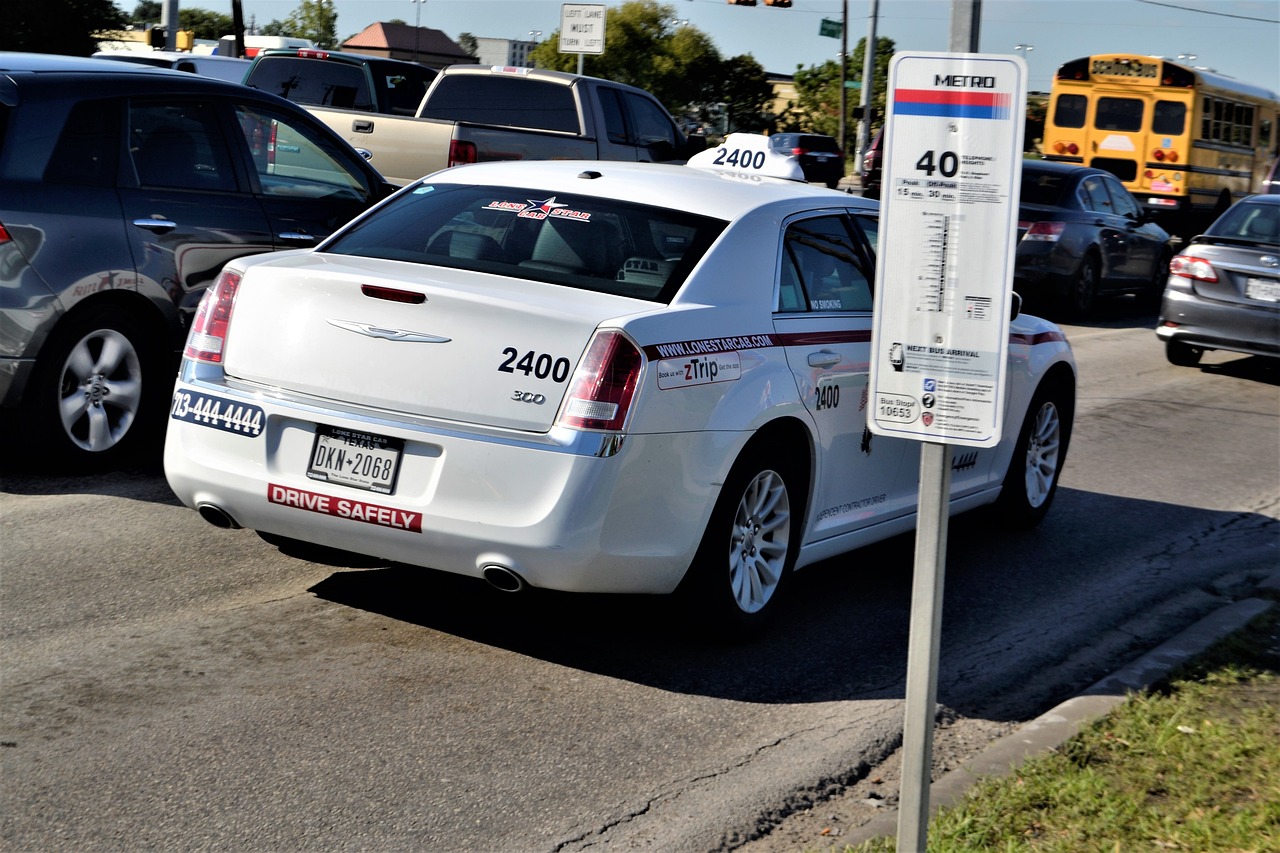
(699, 370)
(941, 103)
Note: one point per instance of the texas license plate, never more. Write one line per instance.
(360, 460)
(1263, 289)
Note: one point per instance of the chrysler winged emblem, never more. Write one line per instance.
(372, 331)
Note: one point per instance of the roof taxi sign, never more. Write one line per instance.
(748, 156)
(952, 173)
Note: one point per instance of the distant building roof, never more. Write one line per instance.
(401, 41)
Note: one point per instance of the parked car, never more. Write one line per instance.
(123, 191)
(820, 156)
(586, 376)
(1081, 235)
(1224, 288)
(227, 68)
(872, 165)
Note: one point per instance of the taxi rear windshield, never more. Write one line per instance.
(576, 241)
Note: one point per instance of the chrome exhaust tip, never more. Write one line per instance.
(217, 516)
(501, 578)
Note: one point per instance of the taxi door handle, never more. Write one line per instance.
(295, 237)
(159, 226)
(362, 125)
(825, 358)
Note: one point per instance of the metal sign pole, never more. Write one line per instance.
(924, 645)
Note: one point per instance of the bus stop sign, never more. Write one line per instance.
(948, 229)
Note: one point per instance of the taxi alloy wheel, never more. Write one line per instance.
(744, 562)
(760, 539)
(1038, 456)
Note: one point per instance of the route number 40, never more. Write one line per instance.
(947, 163)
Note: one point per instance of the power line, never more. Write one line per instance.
(1206, 12)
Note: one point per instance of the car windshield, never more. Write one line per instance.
(1042, 188)
(1259, 223)
(576, 241)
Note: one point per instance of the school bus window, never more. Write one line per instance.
(1070, 111)
(1170, 118)
(1119, 114)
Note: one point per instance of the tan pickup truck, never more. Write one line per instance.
(473, 113)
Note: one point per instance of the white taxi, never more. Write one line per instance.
(583, 376)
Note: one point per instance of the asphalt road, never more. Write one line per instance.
(170, 685)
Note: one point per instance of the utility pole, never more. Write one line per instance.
(844, 73)
(868, 85)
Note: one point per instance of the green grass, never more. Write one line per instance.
(1193, 765)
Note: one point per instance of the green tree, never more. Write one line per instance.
(204, 24)
(468, 42)
(880, 85)
(745, 90)
(817, 107)
(275, 28)
(147, 12)
(316, 20)
(68, 27)
(678, 64)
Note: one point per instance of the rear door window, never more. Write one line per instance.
(179, 144)
(1123, 114)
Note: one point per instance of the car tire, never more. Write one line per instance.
(1031, 482)
(1182, 354)
(749, 548)
(1083, 293)
(1151, 295)
(96, 390)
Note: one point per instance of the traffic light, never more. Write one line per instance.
(156, 37)
(781, 4)
(186, 40)
(743, 2)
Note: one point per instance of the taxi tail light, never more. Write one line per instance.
(603, 385)
(462, 152)
(209, 329)
(1042, 232)
(1189, 266)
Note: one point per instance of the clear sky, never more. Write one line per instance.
(1239, 38)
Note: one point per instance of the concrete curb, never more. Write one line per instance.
(1053, 728)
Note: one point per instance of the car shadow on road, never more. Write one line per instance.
(843, 632)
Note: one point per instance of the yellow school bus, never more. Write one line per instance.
(1183, 140)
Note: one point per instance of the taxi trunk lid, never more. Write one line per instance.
(413, 339)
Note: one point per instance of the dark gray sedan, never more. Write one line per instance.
(1083, 235)
(123, 191)
(1224, 288)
